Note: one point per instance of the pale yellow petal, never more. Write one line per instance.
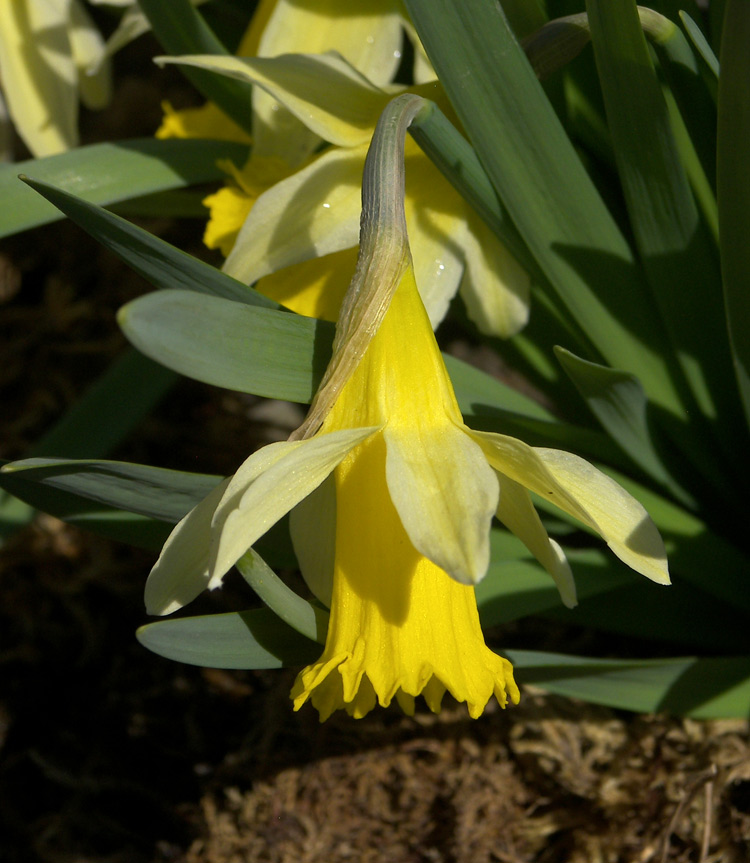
(87, 46)
(367, 34)
(445, 493)
(495, 287)
(181, 572)
(435, 218)
(587, 494)
(313, 212)
(312, 527)
(40, 80)
(267, 485)
(325, 92)
(517, 513)
(314, 288)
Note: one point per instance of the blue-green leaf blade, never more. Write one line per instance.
(158, 262)
(542, 183)
(231, 345)
(247, 639)
(166, 495)
(674, 245)
(108, 173)
(618, 401)
(701, 688)
(733, 185)
(700, 43)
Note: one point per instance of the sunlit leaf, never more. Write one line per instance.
(248, 639)
(143, 166)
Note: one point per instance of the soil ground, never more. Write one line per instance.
(109, 754)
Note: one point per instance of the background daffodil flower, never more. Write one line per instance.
(414, 491)
(370, 38)
(46, 50)
(298, 238)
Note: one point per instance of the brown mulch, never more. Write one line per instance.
(112, 754)
(109, 754)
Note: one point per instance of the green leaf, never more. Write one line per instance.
(542, 183)
(694, 94)
(231, 345)
(693, 548)
(733, 185)
(108, 173)
(158, 262)
(701, 688)
(639, 609)
(520, 587)
(181, 30)
(96, 423)
(247, 639)
(618, 401)
(166, 495)
(107, 521)
(114, 405)
(677, 253)
(304, 617)
(700, 43)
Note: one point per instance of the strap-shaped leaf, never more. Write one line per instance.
(635, 609)
(96, 423)
(182, 30)
(515, 588)
(540, 179)
(229, 344)
(677, 253)
(108, 173)
(619, 402)
(701, 688)
(165, 495)
(247, 639)
(700, 43)
(733, 165)
(134, 529)
(158, 262)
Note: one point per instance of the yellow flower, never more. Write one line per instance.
(293, 231)
(46, 50)
(399, 625)
(369, 39)
(392, 497)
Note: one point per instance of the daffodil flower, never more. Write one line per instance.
(298, 240)
(370, 38)
(393, 494)
(46, 50)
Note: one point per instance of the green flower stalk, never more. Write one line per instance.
(385, 466)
